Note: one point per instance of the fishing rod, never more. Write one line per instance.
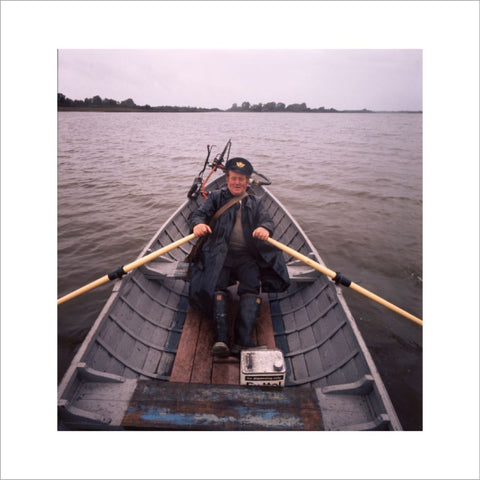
(198, 185)
(198, 180)
(217, 163)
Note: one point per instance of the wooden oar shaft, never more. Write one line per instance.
(157, 253)
(303, 258)
(127, 268)
(385, 303)
(330, 273)
(85, 288)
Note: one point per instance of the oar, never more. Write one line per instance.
(343, 280)
(119, 272)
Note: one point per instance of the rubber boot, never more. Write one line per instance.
(220, 322)
(246, 321)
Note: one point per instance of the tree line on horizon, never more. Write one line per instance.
(277, 107)
(109, 104)
(99, 103)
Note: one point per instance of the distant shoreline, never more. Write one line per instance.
(211, 110)
(108, 105)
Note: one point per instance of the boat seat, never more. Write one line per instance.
(220, 407)
(301, 272)
(165, 268)
(347, 407)
(162, 268)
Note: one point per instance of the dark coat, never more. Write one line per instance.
(206, 270)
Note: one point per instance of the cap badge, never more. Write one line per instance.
(240, 164)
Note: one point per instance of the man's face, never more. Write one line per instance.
(237, 183)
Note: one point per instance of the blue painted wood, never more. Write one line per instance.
(182, 406)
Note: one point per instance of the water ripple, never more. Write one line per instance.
(353, 182)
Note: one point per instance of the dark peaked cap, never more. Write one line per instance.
(239, 165)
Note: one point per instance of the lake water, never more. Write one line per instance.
(352, 181)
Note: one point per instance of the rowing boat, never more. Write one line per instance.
(146, 363)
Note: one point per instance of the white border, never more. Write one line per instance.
(31, 32)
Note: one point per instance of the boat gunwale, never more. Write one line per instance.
(89, 340)
(378, 382)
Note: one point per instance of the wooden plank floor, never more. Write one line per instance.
(204, 392)
(194, 362)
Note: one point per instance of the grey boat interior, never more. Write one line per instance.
(135, 340)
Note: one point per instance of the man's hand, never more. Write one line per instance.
(261, 233)
(201, 229)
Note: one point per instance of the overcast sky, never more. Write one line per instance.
(341, 79)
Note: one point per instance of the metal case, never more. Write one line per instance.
(262, 368)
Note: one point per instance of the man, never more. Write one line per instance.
(235, 250)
